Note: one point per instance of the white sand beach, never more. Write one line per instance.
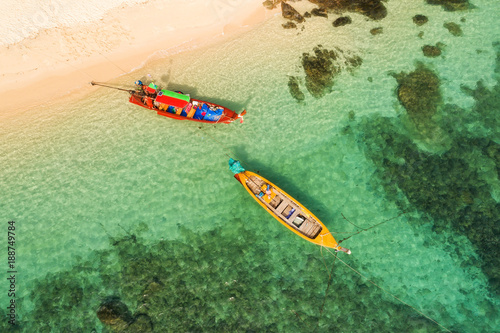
(49, 51)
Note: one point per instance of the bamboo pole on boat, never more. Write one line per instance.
(103, 85)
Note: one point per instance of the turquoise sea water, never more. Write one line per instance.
(112, 201)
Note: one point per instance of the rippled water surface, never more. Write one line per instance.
(116, 205)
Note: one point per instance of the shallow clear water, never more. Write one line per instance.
(113, 200)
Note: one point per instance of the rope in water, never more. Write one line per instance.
(371, 227)
(124, 72)
(330, 274)
(384, 290)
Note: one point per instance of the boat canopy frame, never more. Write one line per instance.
(172, 98)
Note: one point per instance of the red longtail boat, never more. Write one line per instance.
(176, 105)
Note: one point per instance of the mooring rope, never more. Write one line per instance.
(330, 274)
(124, 72)
(371, 227)
(384, 290)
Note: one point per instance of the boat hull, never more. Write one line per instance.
(323, 238)
(228, 116)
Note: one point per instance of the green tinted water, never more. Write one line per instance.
(113, 200)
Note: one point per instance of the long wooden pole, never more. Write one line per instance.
(103, 85)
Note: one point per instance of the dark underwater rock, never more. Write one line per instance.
(229, 292)
(293, 86)
(343, 20)
(322, 67)
(448, 186)
(431, 51)
(271, 4)
(307, 15)
(141, 324)
(376, 31)
(373, 9)
(486, 109)
(453, 28)
(454, 187)
(319, 12)
(320, 70)
(289, 25)
(152, 288)
(420, 19)
(451, 5)
(419, 92)
(291, 13)
(112, 312)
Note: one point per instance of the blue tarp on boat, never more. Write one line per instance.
(213, 115)
(201, 112)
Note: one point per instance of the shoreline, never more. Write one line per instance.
(60, 62)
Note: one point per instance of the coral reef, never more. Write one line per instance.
(322, 67)
(271, 4)
(293, 85)
(453, 28)
(114, 313)
(431, 51)
(320, 70)
(218, 281)
(291, 13)
(452, 187)
(373, 9)
(289, 25)
(451, 5)
(447, 186)
(343, 20)
(420, 19)
(419, 92)
(319, 12)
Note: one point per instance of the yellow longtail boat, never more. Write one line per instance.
(284, 208)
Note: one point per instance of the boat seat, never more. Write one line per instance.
(276, 201)
(282, 205)
(253, 186)
(289, 211)
(298, 220)
(307, 227)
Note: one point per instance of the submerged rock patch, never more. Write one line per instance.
(431, 51)
(293, 85)
(377, 31)
(112, 312)
(419, 92)
(453, 28)
(319, 12)
(289, 25)
(451, 5)
(323, 66)
(320, 69)
(448, 187)
(343, 20)
(373, 9)
(454, 187)
(291, 13)
(420, 19)
(217, 281)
